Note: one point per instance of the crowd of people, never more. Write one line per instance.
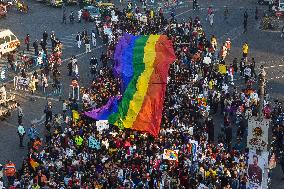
(202, 94)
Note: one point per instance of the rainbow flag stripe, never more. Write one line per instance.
(142, 63)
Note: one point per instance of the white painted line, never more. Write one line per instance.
(35, 121)
(272, 66)
(9, 124)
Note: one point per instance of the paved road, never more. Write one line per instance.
(266, 47)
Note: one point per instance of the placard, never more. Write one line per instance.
(102, 125)
(171, 155)
(257, 179)
(258, 134)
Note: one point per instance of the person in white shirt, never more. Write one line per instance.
(247, 73)
(94, 38)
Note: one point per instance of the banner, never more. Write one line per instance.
(94, 143)
(20, 82)
(102, 125)
(257, 179)
(171, 155)
(258, 134)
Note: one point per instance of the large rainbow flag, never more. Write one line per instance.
(142, 63)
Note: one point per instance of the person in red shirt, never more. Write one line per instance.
(10, 171)
(27, 42)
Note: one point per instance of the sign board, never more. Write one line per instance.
(257, 170)
(171, 155)
(102, 125)
(258, 134)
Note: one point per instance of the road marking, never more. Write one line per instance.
(35, 121)
(267, 67)
(9, 124)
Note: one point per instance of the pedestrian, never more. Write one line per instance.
(235, 66)
(32, 133)
(79, 39)
(245, 51)
(194, 4)
(45, 36)
(84, 34)
(247, 73)
(79, 16)
(282, 32)
(228, 44)
(27, 42)
(211, 19)
(76, 70)
(94, 38)
(53, 40)
(245, 23)
(35, 46)
(10, 171)
(252, 67)
(242, 66)
(43, 45)
(70, 66)
(87, 44)
(226, 14)
(48, 112)
(21, 134)
(229, 134)
(256, 13)
(64, 17)
(71, 17)
(20, 114)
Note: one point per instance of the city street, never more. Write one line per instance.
(266, 47)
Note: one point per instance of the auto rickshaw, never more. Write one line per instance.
(3, 11)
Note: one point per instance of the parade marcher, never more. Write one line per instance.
(94, 38)
(21, 134)
(79, 39)
(10, 171)
(27, 42)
